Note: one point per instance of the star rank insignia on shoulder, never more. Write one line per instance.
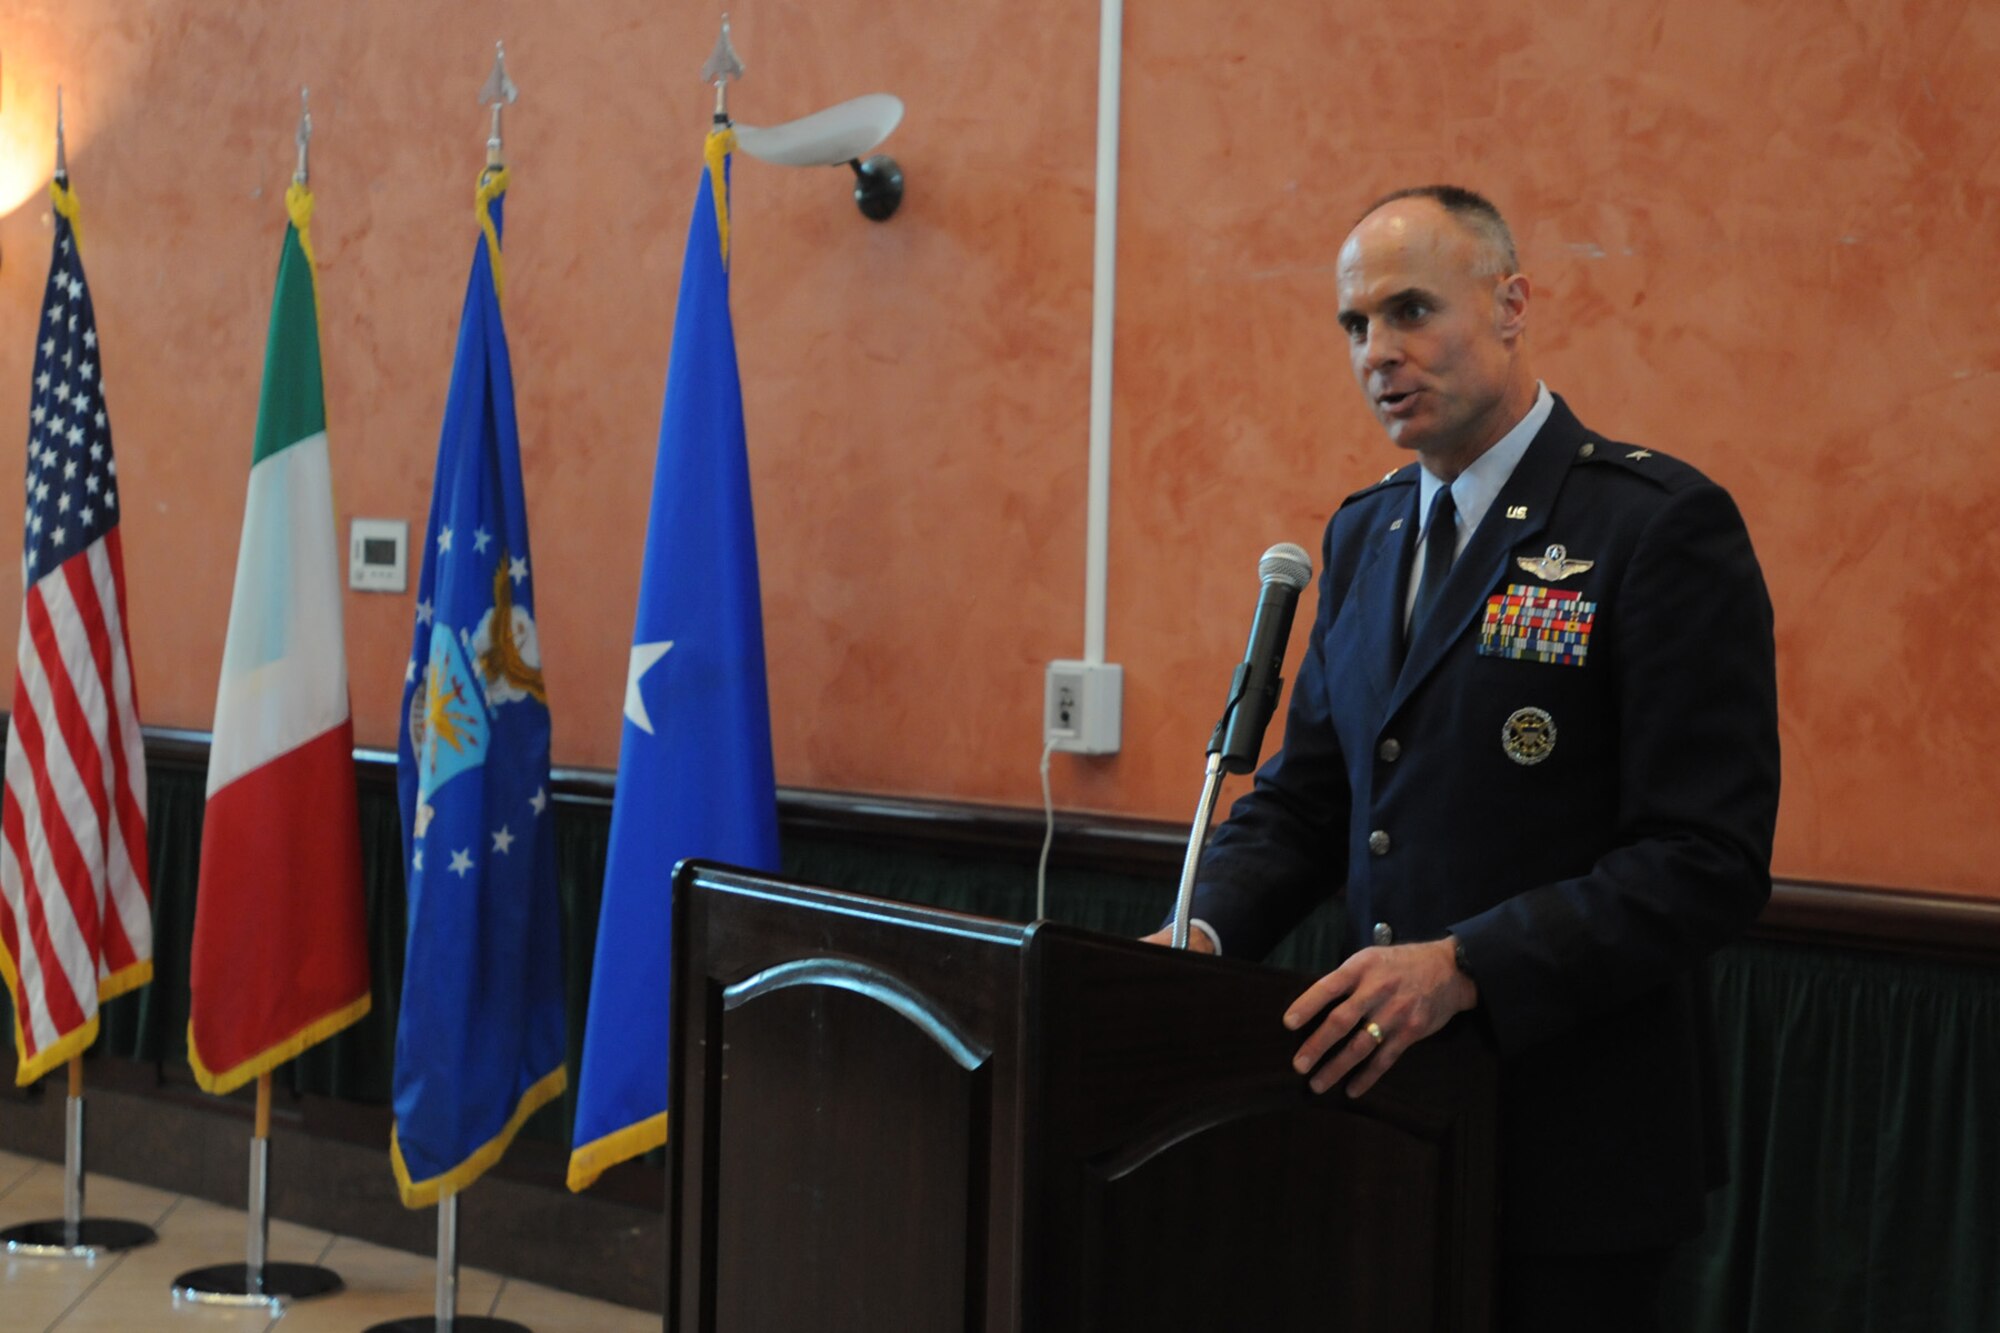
(1658, 469)
(1397, 476)
(1553, 565)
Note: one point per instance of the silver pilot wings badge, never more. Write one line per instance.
(1553, 565)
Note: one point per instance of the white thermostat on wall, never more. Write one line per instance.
(378, 555)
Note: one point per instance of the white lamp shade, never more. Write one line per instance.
(825, 138)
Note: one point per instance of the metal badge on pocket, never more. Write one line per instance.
(1529, 736)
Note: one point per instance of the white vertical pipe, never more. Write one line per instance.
(447, 1263)
(73, 1171)
(258, 1243)
(1103, 311)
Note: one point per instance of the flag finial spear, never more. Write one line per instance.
(722, 66)
(62, 158)
(497, 92)
(305, 134)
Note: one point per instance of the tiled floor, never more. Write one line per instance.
(132, 1292)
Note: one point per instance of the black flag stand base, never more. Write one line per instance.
(85, 1238)
(74, 1236)
(447, 1318)
(457, 1324)
(256, 1282)
(240, 1285)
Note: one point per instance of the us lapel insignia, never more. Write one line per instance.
(1528, 736)
(1517, 511)
(1553, 564)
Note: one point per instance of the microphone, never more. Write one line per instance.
(1253, 696)
(1284, 571)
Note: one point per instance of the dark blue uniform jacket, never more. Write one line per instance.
(1575, 774)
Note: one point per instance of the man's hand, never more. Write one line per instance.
(1198, 941)
(1404, 993)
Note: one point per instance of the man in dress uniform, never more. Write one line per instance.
(1534, 740)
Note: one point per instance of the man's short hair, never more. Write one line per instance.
(1476, 213)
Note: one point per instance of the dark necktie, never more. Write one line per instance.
(1440, 546)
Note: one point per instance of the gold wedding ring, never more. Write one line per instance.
(1374, 1030)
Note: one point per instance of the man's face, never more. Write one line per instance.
(1434, 343)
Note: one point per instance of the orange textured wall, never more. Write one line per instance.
(1763, 237)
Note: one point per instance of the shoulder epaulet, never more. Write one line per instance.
(1403, 476)
(1663, 470)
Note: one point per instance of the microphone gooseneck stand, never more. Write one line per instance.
(1204, 814)
(1284, 570)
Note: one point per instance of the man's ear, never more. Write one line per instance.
(1510, 306)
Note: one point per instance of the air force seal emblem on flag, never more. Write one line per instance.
(469, 676)
(508, 645)
(451, 733)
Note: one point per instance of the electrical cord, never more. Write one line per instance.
(1048, 837)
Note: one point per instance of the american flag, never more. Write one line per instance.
(77, 919)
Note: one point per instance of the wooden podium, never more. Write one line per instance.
(895, 1119)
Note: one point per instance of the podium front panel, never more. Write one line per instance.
(1188, 1180)
(849, 1137)
(1263, 1220)
(845, 1133)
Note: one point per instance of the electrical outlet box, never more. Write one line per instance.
(1081, 705)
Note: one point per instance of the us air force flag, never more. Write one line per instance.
(694, 763)
(479, 1038)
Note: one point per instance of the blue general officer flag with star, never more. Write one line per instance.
(480, 1034)
(694, 761)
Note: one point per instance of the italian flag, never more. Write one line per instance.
(280, 947)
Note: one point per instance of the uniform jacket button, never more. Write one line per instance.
(1390, 750)
(1378, 842)
(1383, 935)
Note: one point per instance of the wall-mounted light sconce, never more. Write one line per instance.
(836, 136)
